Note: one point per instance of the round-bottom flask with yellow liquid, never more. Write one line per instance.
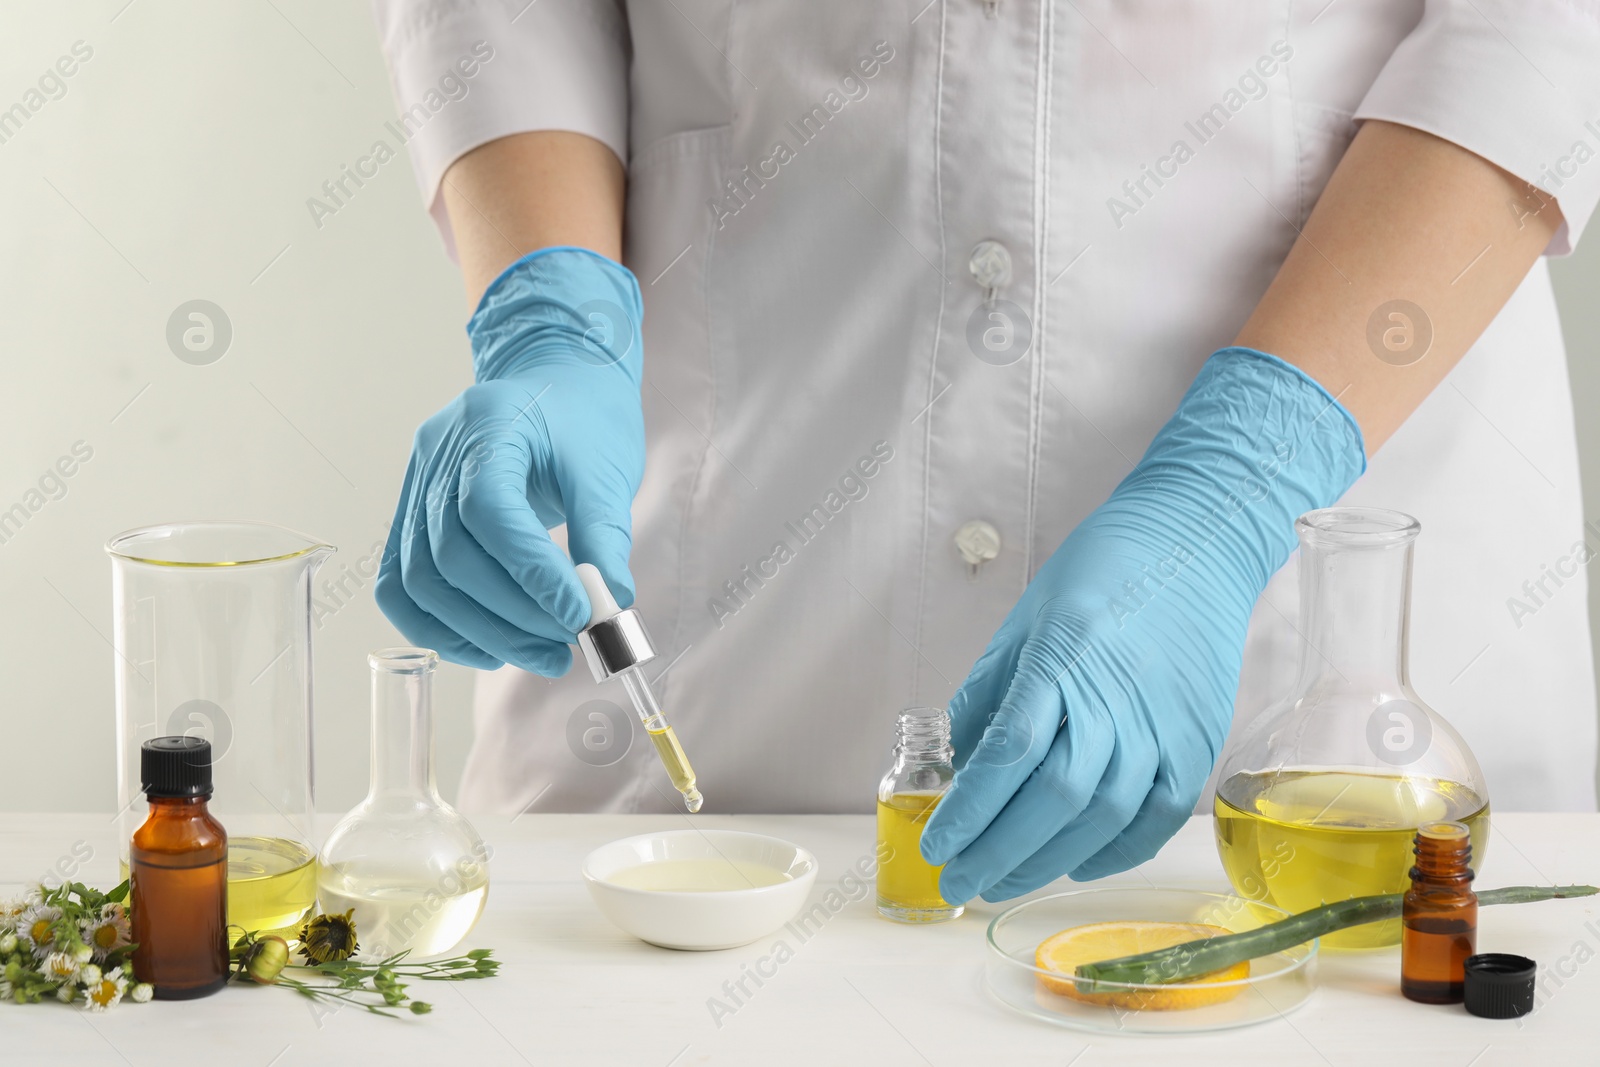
(1299, 839)
(1322, 796)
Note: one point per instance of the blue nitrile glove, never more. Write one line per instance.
(1086, 732)
(552, 432)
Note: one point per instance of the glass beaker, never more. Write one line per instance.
(412, 867)
(212, 638)
(1323, 795)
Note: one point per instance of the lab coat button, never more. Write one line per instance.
(978, 542)
(990, 265)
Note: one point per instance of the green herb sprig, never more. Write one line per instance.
(328, 942)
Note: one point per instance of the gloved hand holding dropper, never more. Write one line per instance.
(551, 433)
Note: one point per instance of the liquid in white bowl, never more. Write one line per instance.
(711, 875)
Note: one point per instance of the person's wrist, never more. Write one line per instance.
(1254, 444)
(560, 304)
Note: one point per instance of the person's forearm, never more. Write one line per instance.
(530, 191)
(1406, 217)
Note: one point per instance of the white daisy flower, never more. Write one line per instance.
(13, 906)
(108, 933)
(33, 928)
(89, 975)
(65, 993)
(8, 943)
(5, 990)
(10, 910)
(105, 993)
(61, 967)
(142, 992)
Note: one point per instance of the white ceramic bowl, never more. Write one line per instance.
(711, 919)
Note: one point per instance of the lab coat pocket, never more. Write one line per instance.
(1321, 136)
(669, 237)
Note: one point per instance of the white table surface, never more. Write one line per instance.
(575, 990)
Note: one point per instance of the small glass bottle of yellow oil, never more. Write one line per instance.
(1322, 796)
(908, 885)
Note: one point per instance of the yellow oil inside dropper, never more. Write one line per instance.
(663, 737)
(615, 644)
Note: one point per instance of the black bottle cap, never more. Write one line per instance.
(175, 767)
(1499, 985)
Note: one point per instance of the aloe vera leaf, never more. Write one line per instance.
(1194, 958)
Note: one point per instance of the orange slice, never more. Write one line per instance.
(1065, 951)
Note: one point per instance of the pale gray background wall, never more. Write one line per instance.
(177, 166)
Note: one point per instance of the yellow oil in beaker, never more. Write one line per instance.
(272, 884)
(1302, 839)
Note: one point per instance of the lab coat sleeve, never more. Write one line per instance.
(1515, 81)
(536, 65)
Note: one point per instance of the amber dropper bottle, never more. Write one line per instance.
(179, 869)
(1439, 918)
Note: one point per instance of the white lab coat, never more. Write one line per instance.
(807, 182)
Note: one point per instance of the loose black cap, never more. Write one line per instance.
(176, 767)
(1499, 985)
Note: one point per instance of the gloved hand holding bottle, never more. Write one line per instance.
(552, 432)
(1085, 733)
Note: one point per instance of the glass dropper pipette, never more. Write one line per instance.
(616, 646)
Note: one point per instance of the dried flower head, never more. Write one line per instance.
(329, 937)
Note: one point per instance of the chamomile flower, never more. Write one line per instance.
(65, 993)
(105, 993)
(8, 943)
(141, 992)
(5, 990)
(61, 967)
(107, 933)
(10, 911)
(89, 975)
(34, 928)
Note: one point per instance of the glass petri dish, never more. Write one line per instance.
(1277, 984)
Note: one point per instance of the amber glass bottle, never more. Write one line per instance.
(1439, 919)
(179, 869)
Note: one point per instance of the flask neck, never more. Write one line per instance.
(922, 738)
(1354, 613)
(402, 730)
